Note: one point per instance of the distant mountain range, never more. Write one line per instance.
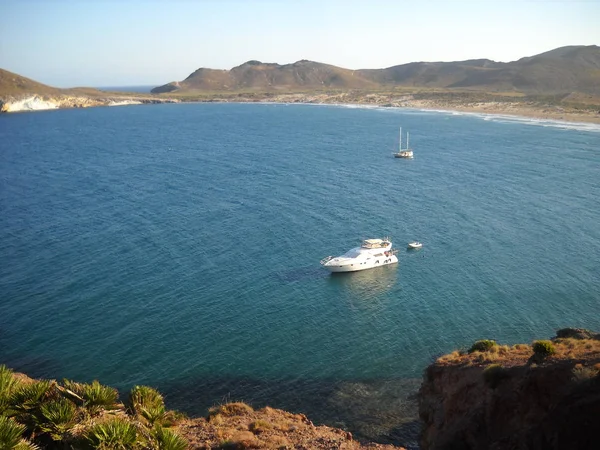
(572, 72)
(563, 70)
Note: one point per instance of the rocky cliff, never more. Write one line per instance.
(542, 396)
(18, 93)
(38, 102)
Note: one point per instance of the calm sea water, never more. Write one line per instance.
(178, 246)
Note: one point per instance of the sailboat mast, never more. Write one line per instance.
(400, 144)
(407, 147)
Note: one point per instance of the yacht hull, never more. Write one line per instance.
(360, 265)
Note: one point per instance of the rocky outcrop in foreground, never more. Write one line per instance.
(49, 414)
(237, 425)
(542, 396)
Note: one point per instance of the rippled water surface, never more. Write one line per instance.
(179, 246)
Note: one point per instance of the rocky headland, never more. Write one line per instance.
(540, 396)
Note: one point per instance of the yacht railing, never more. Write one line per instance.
(326, 260)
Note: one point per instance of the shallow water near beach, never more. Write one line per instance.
(178, 246)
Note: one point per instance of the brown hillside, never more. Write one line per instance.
(566, 70)
(12, 84)
(255, 75)
(17, 86)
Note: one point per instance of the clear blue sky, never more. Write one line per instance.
(67, 43)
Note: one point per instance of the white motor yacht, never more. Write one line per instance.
(372, 253)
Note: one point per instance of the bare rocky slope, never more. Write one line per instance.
(561, 71)
(515, 398)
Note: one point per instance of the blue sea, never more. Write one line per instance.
(178, 246)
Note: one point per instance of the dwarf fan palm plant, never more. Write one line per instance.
(73, 391)
(97, 397)
(168, 440)
(117, 434)
(148, 405)
(58, 417)
(11, 435)
(144, 397)
(26, 402)
(30, 396)
(153, 414)
(8, 385)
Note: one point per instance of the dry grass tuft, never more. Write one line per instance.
(242, 440)
(230, 409)
(450, 357)
(260, 426)
(519, 354)
(277, 441)
(583, 373)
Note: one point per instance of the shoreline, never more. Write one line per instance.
(510, 109)
(516, 109)
(526, 113)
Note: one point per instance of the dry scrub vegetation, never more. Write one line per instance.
(239, 426)
(582, 346)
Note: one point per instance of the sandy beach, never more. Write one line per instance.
(518, 110)
(511, 108)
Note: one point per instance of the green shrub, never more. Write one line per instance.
(11, 436)
(144, 397)
(482, 346)
(494, 374)
(11, 433)
(26, 445)
(8, 385)
(97, 397)
(30, 396)
(25, 403)
(117, 434)
(58, 418)
(168, 440)
(153, 415)
(74, 391)
(543, 348)
(147, 405)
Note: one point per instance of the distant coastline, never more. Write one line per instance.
(560, 84)
(136, 89)
(510, 107)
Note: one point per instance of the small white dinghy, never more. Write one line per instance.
(414, 245)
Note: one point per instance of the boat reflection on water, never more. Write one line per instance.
(367, 283)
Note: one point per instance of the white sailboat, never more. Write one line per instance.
(407, 152)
